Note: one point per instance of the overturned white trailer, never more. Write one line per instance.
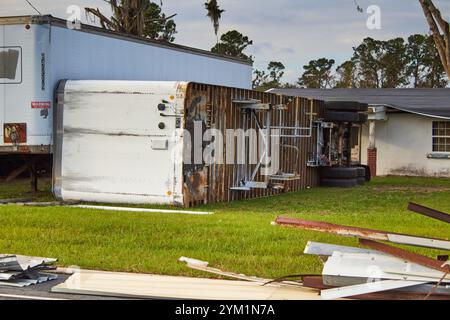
(36, 52)
(180, 143)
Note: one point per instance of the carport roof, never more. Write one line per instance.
(428, 102)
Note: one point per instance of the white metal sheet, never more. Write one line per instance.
(324, 249)
(371, 266)
(105, 140)
(420, 242)
(372, 287)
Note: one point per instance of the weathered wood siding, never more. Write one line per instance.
(214, 105)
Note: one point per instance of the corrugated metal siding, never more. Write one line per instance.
(224, 115)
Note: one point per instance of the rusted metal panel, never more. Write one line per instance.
(364, 233)
(406, 255)
(438, 215)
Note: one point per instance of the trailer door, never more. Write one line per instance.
(113, 144)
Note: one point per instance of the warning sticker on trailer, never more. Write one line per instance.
(41, 105)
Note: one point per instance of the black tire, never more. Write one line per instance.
(339, 173)
(346, 106)
(341, 116)
(339, 183)
(368, 173)
(361, 181)
(361, 172)
(363, 117)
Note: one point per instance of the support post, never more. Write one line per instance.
(372, 150)
(33, 177)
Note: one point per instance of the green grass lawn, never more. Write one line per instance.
(239, 237)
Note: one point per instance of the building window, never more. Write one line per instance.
(441, 136)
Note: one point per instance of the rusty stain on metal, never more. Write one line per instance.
(432, 213)
(362, 233)
(406, 255)
(332, 228)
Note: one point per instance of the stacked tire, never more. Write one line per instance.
(339, 177)
(345, 111)
(342, 177)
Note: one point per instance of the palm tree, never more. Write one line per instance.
(215, 14)
(128, 16)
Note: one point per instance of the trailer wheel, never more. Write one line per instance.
(340, 173)
(341, 116)
(339, 183)
(346, 106)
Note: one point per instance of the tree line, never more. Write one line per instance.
(419, 61)
(394, 63)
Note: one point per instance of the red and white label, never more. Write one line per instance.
(41, 105)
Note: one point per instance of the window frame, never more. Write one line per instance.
(446, 136)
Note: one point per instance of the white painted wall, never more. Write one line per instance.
(403, 142)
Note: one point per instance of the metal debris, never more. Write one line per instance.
(408, 256)
(204, 266)
(432, 213)
(24, 271)
(384, 272)
(364, 233)
(105, 208)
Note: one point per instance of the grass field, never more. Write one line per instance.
(239, 237)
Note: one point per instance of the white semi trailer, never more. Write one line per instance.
(36, 52)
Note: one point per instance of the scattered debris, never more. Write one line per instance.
(384, 271)
(203, 266)
(23, 271)
(104, 208)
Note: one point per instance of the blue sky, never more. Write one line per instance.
(290, 31)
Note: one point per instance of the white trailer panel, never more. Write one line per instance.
(48, 52)
(109, 145)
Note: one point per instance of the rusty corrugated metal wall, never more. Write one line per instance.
(214, 105)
